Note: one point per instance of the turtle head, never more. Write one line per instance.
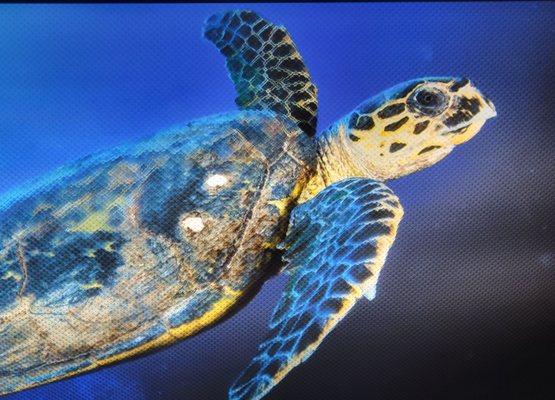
(412, 125)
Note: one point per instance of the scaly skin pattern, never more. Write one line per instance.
(137, 247)
(404, 129)
(265, 66)
(336, 246)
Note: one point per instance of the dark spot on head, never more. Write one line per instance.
(420, 127)
(459, 84)
(472, 104)
(466, 109)
(457, 118)
(427, 149)
(365, 122)
(396, 125)
(361, 122)
(396, 146)
(354, 138)
(391, 110)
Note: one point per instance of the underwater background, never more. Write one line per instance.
(466, 301)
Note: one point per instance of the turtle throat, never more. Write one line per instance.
(334, 161)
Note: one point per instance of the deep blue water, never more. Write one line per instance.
(465, 306)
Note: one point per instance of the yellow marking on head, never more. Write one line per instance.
(383, 155)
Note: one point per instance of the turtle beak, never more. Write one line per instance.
(470, 112)
(489, 109)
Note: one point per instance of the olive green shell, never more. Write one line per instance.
(136, 247)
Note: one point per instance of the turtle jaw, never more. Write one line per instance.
(468, 113)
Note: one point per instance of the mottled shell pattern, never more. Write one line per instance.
(134, 248)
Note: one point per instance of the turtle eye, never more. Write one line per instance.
(428, 101)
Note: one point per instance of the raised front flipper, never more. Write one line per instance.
(336, 245)
(265, 66)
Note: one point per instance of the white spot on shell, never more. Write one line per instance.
(216, 180)
(194, 224)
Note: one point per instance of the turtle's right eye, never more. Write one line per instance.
(428, 101)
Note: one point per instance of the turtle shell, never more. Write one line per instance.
(137, 247)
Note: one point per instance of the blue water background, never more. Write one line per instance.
(465, 305)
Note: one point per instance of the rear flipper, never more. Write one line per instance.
(265, 66)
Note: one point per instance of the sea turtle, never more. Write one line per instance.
(137, 247)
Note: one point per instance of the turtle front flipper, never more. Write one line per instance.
(336, 245)
(265, 66)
